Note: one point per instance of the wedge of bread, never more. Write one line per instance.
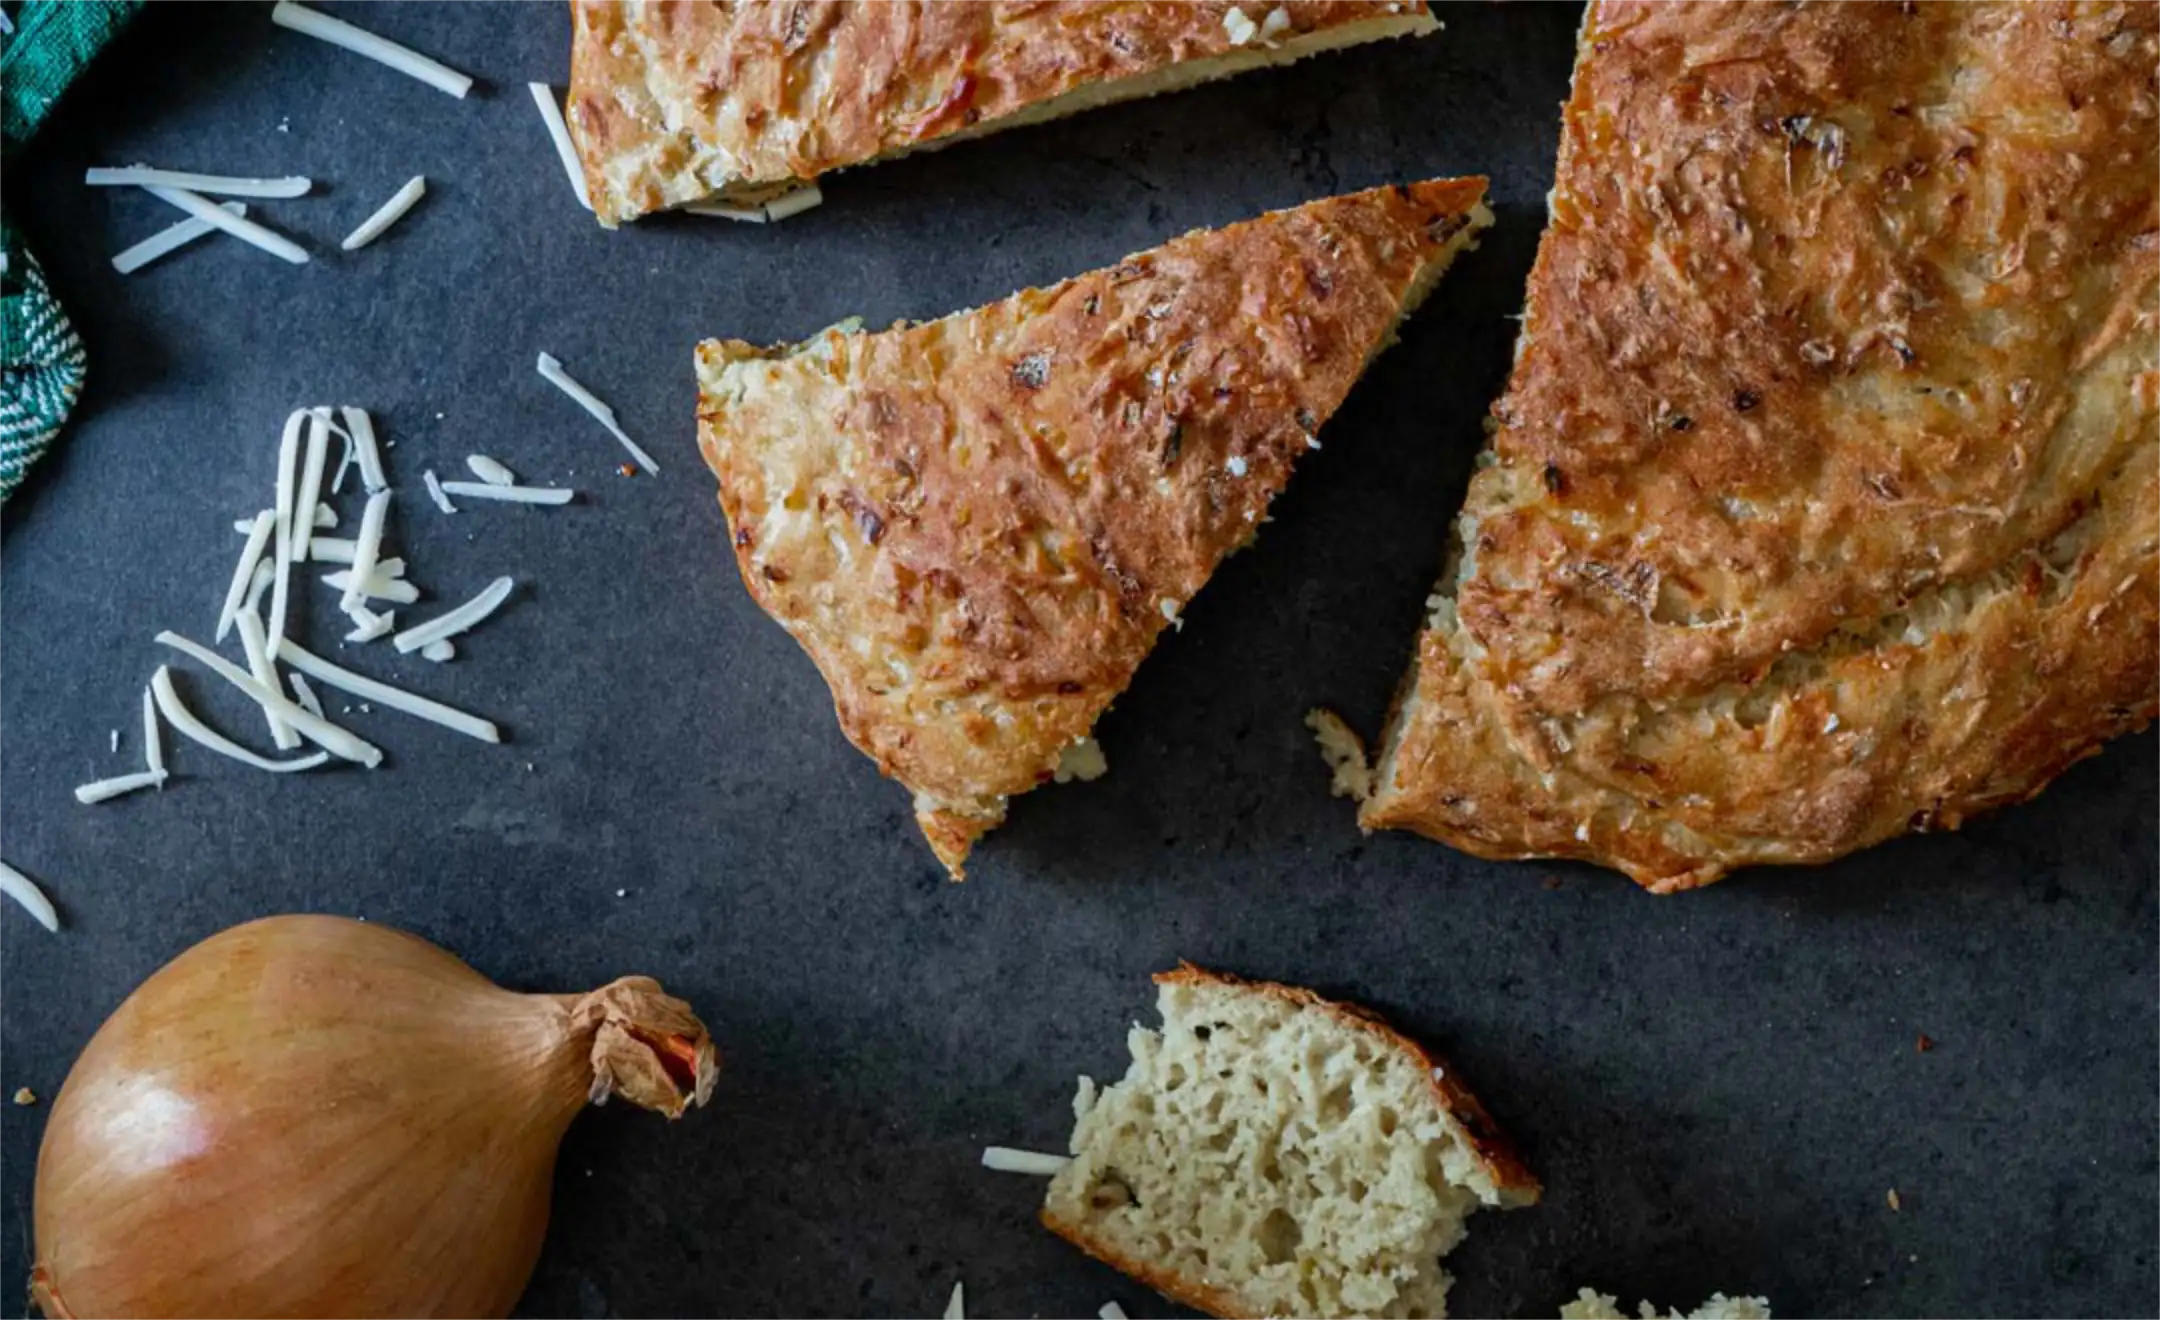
(1270, 1153)
(1590, 1304)
(978, 526)
(1824, 501)
(701, 100)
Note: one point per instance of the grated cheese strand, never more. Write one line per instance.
(345, 680)
(1004, 1159)
(281, 537)
(325, 516)
(308, 498)
(222, 185)
(247, 231)
(19, 887)
(264, 575)
(754, 215)
(304, 694)
(377, 586)
(456, 621)
(435, 491)
(552, 371)
(362, 429)
(956, 1305)
(490, 471)
(366, 547)
(244, 572)
(331, 550)
(105, 789)
(559, 132)
(1111, 1310)
(257, 650)
(360, 41)
(170, 239)
(153, 744)
(481, 490)
(386, 215)
(794, 202)
(194, 730)
(368, 625)
(442, 650)
(318, 730)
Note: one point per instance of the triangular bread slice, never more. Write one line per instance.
(1824, 501)
(1271, 1153)
(1590, 1304)
(706, 101)
(977, 526)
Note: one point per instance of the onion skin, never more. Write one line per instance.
(312, 1116)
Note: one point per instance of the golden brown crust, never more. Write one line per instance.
(680, 100)
(1824, 503)
(978, 526)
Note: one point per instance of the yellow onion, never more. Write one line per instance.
(311, 1116)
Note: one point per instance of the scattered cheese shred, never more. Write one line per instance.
(282, 535)
(727, 211)
(956, 1305)
(256, 647)
(794, 202)
(559, 132)
(308, 498)
(331, 550)
(1004, 1159)
(396, 698)
(1111, 1310)
(318, 730)
(325, 516)
(388, 214)
(264, 576)
(490, 471)
(441, 651)
(552, 371)
(170, 239)
(153, 742)
(105, 789)
(377, 586)
(481, 490)
(435, 491)
(368, 625)
(222, 185)
(305, 695)
(360, 41)
(19, 887)
(366, 547)
(247, 231)
(361, 428)
(195, 731)
(244, 572)
(456, 621)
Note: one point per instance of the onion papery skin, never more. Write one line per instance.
(309, 1116)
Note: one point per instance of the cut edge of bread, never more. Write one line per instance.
(1484, 1171)
(1590, 1304)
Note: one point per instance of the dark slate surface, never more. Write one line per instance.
(1718, 1089)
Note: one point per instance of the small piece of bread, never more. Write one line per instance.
(740, 102)
(1590, 1304)
(978, 526)
(1271, 1153)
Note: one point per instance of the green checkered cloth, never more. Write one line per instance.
(41, 359)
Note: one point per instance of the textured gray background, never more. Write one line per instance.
(1718, 1089)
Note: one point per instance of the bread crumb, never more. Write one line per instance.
(1894, 1202)
(1924, 1044)
(25, 1096)
(1350, 774)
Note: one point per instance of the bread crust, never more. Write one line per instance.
(1516, 1185)
(1824, 502)
(682, 100)
(978, 526)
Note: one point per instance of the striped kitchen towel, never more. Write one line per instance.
(44, 44)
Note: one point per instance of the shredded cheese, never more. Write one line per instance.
(360, 41)
(170, 239)
(247, 231)
(490, 471)
(441, 651)
(552, 371)
(366, 547)
(103, 789)
(195, 731)
(398, 699)
(256, 648)
(305, 695)
(456, 621)
(794, 202)
(308, 498)
(1004, 1159)
(153, 744)
(331, 550)
(362, 429)
(377, 586)
(282, 535)
(435, 491)
(317, 730)
(264, 576)
(481, 490)
(19, 887)
(368, 625)
(243, 572)
(956, 1305)
(727, 211)
(222, 185)
(559, 132)
(325, 516)
(1111, 1310)
(388, 214)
